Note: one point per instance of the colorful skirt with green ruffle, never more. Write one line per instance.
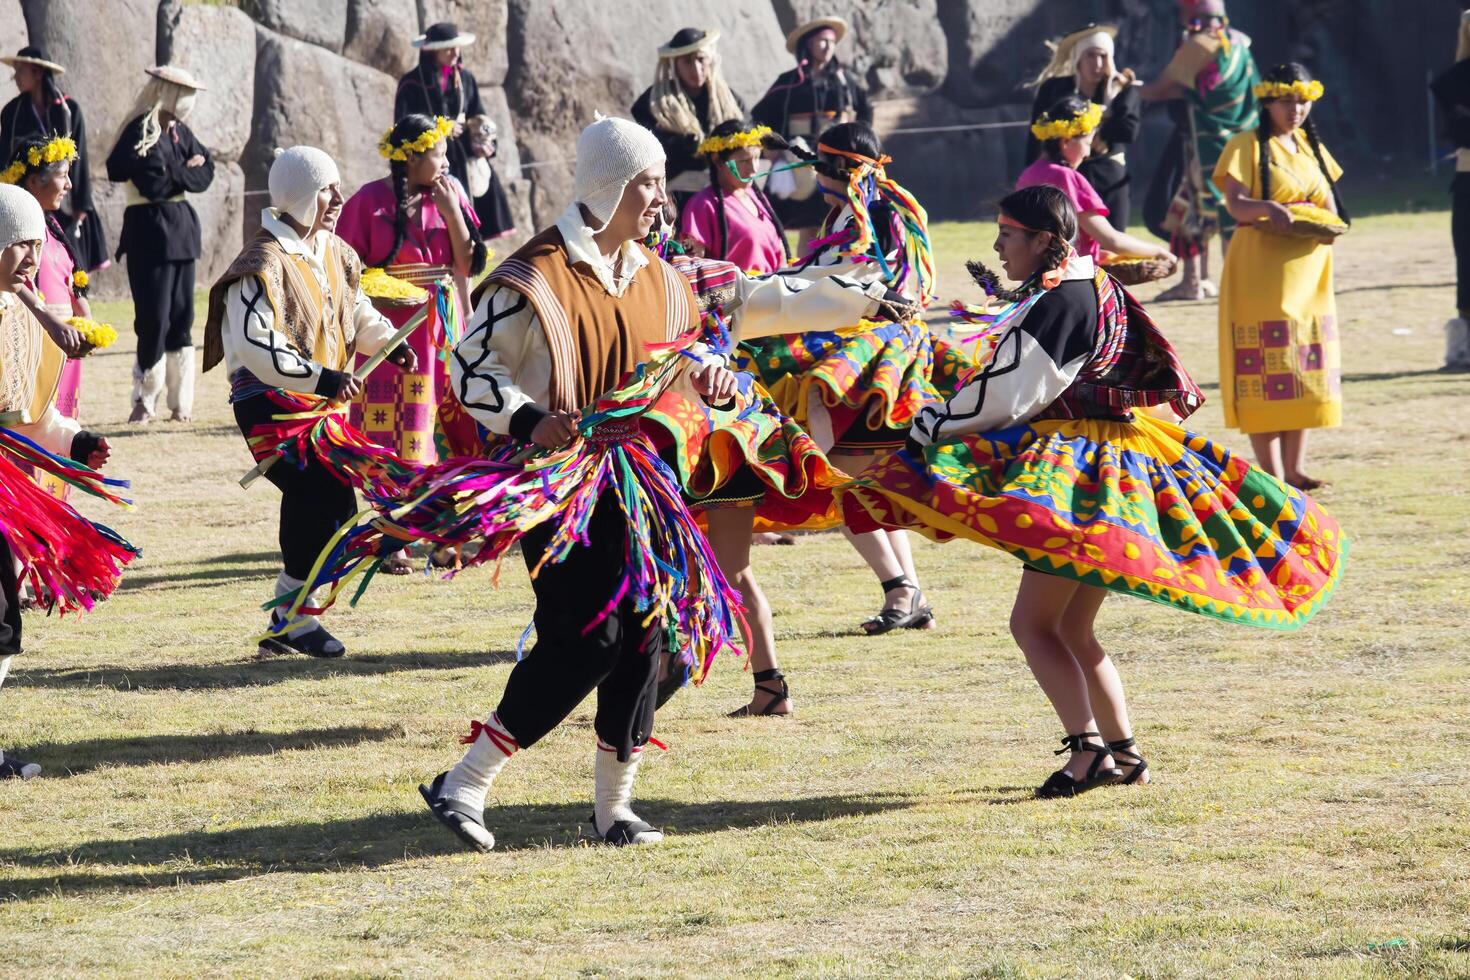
(1141, 507)
(873, 379)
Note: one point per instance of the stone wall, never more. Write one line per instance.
(947, 77)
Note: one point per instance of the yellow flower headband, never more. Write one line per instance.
(58, 149)
(1306, 91)
(1062, 129)
(735, 141)
(425, 142)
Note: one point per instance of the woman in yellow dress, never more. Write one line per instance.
(1280, 354)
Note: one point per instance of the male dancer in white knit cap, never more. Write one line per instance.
(286, 318)
(555, 325)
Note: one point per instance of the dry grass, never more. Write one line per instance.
(204, 813)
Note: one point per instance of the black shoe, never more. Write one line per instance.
(1061, 782)
(625, 833)
(1139, 765)
(468, 825)
(777, 694)
(919, 616)
(316, 642)
(13, 768)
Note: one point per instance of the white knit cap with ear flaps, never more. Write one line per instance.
(296, 176)
(611, 152)
(21, 217)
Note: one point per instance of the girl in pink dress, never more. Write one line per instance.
(732, 219)
(58, 282)
(416, 224)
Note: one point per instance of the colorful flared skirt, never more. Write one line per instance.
(1142, 507)
(748, 454)
(873, 380)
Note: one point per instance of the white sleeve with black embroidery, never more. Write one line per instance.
(502, 363)
(1034, 363)
(777, 304)
(252, 342)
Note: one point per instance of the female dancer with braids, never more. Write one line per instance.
(1049, 452)
(857, 391)
(61, 279)
(416, 224)
(1280, 355)
(732, 219)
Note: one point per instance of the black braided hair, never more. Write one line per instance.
(717, 163)
(1286, 74)
(51, 94)
(1067, 107)
(23, 148)
(1045, 209)
(409, 128)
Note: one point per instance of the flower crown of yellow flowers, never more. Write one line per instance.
(1062, 129)
(425, 141)
(1306, 91)
(735, 141)
(54, 151)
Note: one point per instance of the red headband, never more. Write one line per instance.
(881, 161)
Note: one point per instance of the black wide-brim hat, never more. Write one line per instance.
(687, 41)
(442, 35)
(32, 55)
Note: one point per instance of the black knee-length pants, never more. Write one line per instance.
(163, 307)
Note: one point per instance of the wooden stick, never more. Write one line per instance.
(363, 370)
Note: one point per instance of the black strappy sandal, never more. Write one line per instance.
(778, 694)
(1061, 783)
(461, 818)
(919, 616)
(624, 833)
(1139, 764)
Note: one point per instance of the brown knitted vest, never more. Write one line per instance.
(595, 338)
(319, 327)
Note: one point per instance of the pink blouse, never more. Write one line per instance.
(367, 225)
(1077, 189)
(752, 240)
(53, 279)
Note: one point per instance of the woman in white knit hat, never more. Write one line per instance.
(285, 319)
(555, 325)
(75, 559)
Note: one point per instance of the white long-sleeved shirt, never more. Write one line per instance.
(502, 364)
(1035, 361)
(250, 338)
(765, 306)
(53, 430)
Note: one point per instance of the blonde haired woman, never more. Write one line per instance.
(688, 98)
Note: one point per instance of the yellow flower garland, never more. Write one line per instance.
(1061, 129)
(425, 142)
(59, 149)
(79, 279)
(1306, 91)
(99, 335)
(735, 141)
(378, 284)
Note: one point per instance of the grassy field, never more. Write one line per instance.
(204, 813)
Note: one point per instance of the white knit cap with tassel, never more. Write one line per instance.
(21, 217)
(611, 152)
(295, 178)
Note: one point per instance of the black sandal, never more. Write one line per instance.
(1061, 782)
(1124, 747)
(461, 818)
(624, 833)
(778, 694)
(919, 616)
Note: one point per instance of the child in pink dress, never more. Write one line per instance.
(731, 219)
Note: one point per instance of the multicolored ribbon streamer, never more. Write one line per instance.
(869, 183)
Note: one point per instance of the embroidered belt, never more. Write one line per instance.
(419, 273)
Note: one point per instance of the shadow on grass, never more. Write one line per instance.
(1379, 287)
(201, 578)
(1432, 372)
(147, 750)
(371, 842)
(256, 673)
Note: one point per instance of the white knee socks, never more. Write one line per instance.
(303, 623)
(179, 377)
(490, 748)
(147, 386)
(4, 673)
(1457, 343)
(613, 791)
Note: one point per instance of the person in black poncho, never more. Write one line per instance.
(1082, 65)
(802, 103)
(43, 109)
(440, 86)
(689, 97)
(161, 160)
(1452, 92)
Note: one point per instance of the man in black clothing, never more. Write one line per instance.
(161, 160)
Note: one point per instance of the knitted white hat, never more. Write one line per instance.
(611, 152)
(21, 217)
(296, 176)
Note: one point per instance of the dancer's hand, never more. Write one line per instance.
(197, 160)
(714, 382)
(895, 307)
(63, 334)
(556, 429)
(405, 358)
(349, 388)
(99, 456)
(1277, 215)
(444, 196)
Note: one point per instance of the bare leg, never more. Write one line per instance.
(1036, 624)
(1294, 457)
(886, 552)
(1104, 686)
(1189, 286)
(729, 535)
(1267, 446)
